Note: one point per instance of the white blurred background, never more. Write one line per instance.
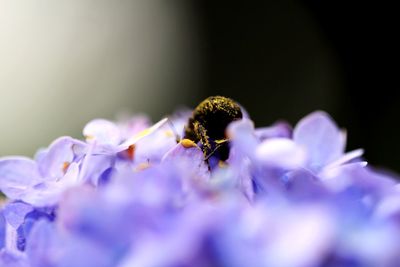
(65, 62)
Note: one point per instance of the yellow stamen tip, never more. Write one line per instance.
(142, 166)
(187, 143)
(65, 166)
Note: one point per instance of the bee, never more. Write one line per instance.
(205, 127)
(208, 123)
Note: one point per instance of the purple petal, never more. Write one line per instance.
(243, 138)
(60, 154)
(154, 143)
(47, 247)
(388, 208)
(17, 174)
(2, 230)
(82, 207)
(279, 129)
(303, 185)
(134, 126)
(77, 251)
(301, 242)
(367, 181)
(321, 137)
(29, 221)
(96, 166)
(186, 150)
(49, 193)
(11, 259)
(15, 213)
(40, 154)
(189, 158)
(42, 244)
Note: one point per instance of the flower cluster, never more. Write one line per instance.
(131, 195)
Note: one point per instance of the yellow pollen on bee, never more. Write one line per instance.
(187, 143)
(221, 141)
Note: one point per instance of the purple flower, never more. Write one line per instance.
(10, 259)
(41, 182)
(131, 195)
(324, 142)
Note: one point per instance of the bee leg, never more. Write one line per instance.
(204, 139)
(212, 152)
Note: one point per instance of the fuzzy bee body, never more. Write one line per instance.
(208, 123)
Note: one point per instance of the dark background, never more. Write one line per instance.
(63, 63)
(284, 59)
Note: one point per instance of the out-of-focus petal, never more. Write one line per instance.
(388, 208)
(362, 244)
(301, 242)
(281, 152)
(302, 185)
(42, 245)
(2, 230)
(133, 126)
(15, 213)
(103, 132)
(17, 174)
(13, 259)
(321, 137)
(189, 159)
(355, 175)
(279, 129)
(243, 137)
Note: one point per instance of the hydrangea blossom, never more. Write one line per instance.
(131, 195)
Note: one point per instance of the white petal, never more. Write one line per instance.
(281, 152)
(103, 132)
